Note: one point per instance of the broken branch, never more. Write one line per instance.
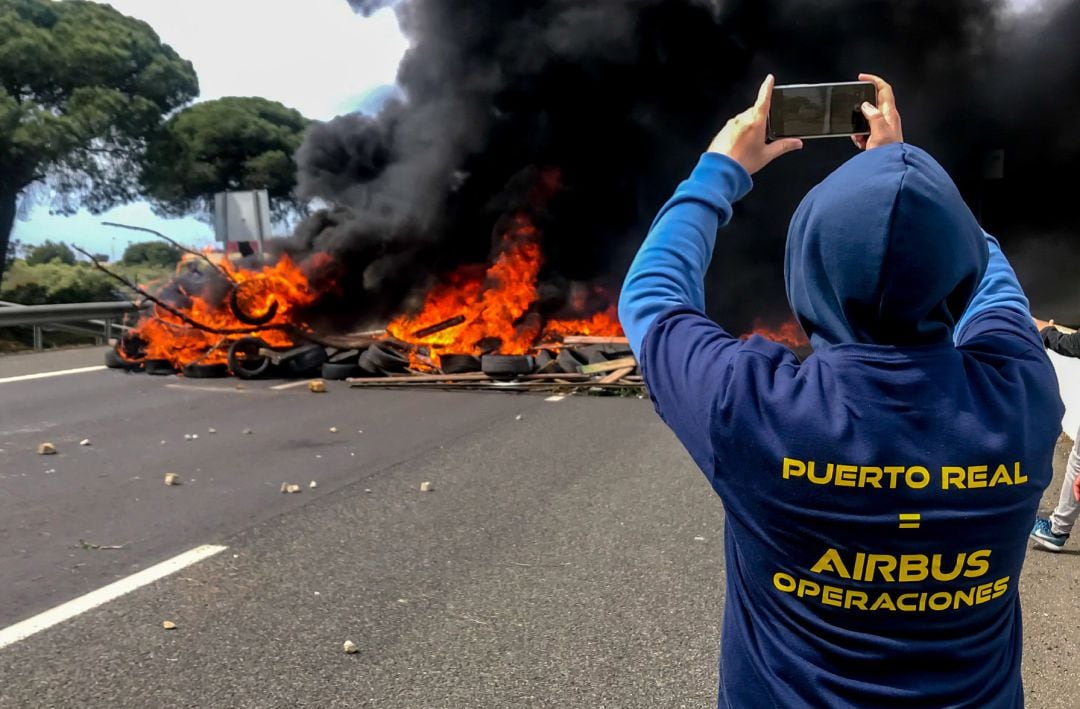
(170, 309)
(225, 274)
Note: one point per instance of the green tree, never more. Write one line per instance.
(13, 247)
(152, 253)
(82, 88)
(48, 252)
(56, 282)
(229, 144)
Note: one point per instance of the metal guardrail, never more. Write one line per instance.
(39, 317)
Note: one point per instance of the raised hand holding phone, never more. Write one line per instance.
(743, 138)
(885, 124)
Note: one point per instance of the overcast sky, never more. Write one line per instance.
(313, 55)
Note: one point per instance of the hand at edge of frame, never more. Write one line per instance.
(743, 138)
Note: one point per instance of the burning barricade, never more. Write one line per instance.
(476, 325)
(479, 326)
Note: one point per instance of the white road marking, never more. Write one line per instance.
(49, 375)
(291, 385)
(191, 387)
(78, 606)
(557, 397)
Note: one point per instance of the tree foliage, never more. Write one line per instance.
(57, 282)
(82, 87)
(48, 252)
(152, 253)
(229, 144)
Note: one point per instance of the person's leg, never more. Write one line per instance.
(1068, 509)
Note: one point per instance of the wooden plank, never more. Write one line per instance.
(587, 340)
(616, 375)
(557, 376)
(422, 378)
(611, 366)
(358, 340)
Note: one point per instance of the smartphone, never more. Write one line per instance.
(820, 110)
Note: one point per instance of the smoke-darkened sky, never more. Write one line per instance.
(622, 95)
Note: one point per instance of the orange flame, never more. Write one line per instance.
(497, 305)
(788, 333)
(284, 283)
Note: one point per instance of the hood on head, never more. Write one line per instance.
(884, 251)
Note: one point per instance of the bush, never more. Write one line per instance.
(152, 253)
(56, 282)
(48, 252)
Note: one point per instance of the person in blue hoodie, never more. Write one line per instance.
(879, 494)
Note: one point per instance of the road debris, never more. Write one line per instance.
(84, 442)
(426, 487)
(46, 449)
(168, 625)
(313, 484)
(518, 417)
(350, 648)
(317, 386)
(290, 488)
(333, 429)
(90, 546)
(172, 479)
(212, 431)
(248, 432)
(187, 437)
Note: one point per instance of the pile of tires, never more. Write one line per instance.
(115, 360)
(460, 364)
(206, 371)
(507, 366)
(382, 359)
(343, 365)
(245, 360)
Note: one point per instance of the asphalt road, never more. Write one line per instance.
(569, 558)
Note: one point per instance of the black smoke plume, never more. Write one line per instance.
(620, 96)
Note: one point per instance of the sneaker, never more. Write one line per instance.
(1044, 537)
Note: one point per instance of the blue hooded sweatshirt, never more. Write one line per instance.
(878, 495)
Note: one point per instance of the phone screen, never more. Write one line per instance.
(820, 110)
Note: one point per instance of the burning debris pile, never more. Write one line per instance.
(492, 204)
(485, 215)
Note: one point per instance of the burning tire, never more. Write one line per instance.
(305, 360)
(383, 358)
(507, 366)
(113, 360)
(336, 371)
(206, 371)
(236, 302)
(346, 357)
(459, 364)
(245, 360)
(545, 362)
(569, 361)
(159, 367)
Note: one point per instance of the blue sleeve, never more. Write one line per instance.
(999, 289)
(669, 270)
